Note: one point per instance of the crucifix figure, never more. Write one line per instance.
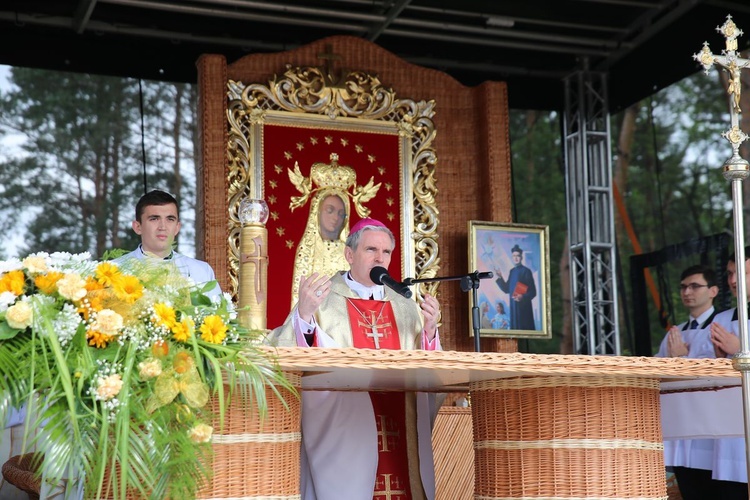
(374, 334)
(732, 63)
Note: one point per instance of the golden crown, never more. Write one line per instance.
(334, 175)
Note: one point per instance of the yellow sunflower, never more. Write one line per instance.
(128, 288)
(107, 273)
(164, 315)
(213, 329)
(183, 330)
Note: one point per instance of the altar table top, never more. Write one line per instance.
(453, 371)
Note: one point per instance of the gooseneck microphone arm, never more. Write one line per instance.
(468, 282)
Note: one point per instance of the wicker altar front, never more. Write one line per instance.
(545, 426)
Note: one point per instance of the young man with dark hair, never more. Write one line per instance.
(157, 222)
(692, 459)
(698, 288)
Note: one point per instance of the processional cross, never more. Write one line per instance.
(736, 170)
(731, 62)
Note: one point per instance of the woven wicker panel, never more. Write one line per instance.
(568, 437)
(472, 145)
(256, 458)
(452, 445)
(19, 471)
(253, 458)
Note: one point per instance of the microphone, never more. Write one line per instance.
(485, 275)
(379, 275)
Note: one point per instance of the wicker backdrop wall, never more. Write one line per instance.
(472, 145)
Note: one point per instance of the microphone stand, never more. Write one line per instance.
(468, 282)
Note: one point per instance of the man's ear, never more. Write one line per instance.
(136, 227)
(713, 291)
(348, 254)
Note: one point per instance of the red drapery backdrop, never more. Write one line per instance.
(374, 155)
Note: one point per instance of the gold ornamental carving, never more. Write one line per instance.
(357, 98)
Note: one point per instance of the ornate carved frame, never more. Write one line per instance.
(355, 99)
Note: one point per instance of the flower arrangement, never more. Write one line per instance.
(115, 364)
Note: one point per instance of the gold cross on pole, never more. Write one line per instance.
(385, 434)
(732, 63)
(736, 169)
(374, 334)
(387, 493)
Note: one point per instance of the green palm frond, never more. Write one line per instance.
(86, 388)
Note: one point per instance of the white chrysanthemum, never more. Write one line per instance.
(10, 265)
(6, 299)
(61, 261)
(66, 323)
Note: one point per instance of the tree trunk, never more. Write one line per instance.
(176, 136)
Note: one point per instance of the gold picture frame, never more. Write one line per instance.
(515, 302)
(308, 104)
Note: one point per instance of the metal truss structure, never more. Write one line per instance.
(590, 214)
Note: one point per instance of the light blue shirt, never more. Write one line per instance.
(197, 271)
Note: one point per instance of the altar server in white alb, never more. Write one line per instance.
(692, 459)
(359, 445)
(157, 222)
(729, 466)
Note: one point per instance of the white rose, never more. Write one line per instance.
(72, 287)
(19, 315)
(108, 322)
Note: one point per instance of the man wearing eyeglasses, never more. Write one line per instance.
(691, 339)
(692, 459)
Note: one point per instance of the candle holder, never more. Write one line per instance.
(253, 276)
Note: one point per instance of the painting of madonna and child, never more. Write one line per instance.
(515, 301)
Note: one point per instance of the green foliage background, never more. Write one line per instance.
(79, 171)
(672, 188)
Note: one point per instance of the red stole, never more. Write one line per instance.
(374, 327)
